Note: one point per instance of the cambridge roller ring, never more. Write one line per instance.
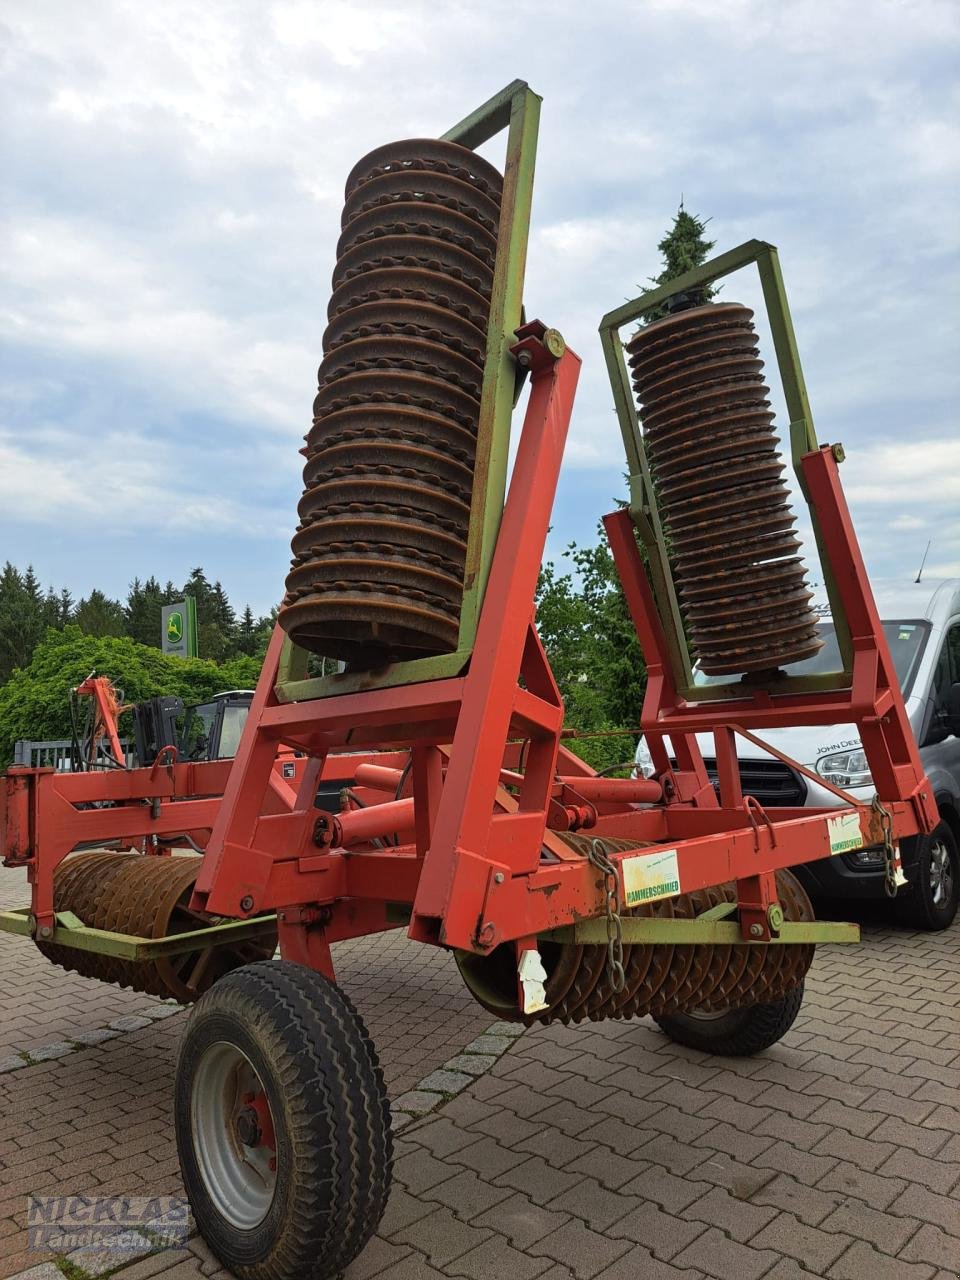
(148, 897)
(708, 431)
(379, 555)
(659, 979)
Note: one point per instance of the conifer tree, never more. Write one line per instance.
(681, 249)
(98, 615)
(222, 611)
(65, 607)
(247, 632)
(142, 611)
(31, 585)
(51, 609)
(22, 620)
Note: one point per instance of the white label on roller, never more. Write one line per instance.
(648, 876)
(843, 832)
(532, 978)
(899, 878)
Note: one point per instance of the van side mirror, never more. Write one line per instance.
(944, 719)
(951, 712)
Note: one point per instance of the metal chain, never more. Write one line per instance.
(891, 857)
(597, 856)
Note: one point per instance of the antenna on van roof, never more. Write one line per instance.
(922, 563)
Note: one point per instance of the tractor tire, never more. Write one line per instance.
(282, 1124)
(931, 899)
(738, 1033)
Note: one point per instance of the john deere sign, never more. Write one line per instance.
(178, 628)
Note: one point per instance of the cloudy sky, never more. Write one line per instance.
(172, 182)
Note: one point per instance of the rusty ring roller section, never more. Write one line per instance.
(380, 551)
(148, 897)
(719, 481)
(660, 978)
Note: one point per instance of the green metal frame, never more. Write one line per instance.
(70, 931)
(516, 109)
(803, 439)
(702, 931)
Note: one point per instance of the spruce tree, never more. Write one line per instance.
(22, 617)
(11, 583)
(222, 610)
(199, 587)
(142, 611)
(98, 615)
(681, 249)
(50, 609)
(31, 585)
(247, 632)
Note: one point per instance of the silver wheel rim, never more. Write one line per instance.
(237, 1176)
(708, 1015)
(941, 874)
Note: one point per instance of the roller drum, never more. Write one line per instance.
(720, 487)
(146, 897)
(659, 978)
(380, 553)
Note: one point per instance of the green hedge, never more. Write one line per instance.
(34, 702)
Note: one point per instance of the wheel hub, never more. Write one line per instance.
(941, 874)
(248, 1127)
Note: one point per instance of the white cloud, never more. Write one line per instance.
(127, 483)
(75, 290)
(911, 472)
(174, 176)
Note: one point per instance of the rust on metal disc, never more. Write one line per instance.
(659, 979)
(379, 555)
(147, 897)
(708, 430)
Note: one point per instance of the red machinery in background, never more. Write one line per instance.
(564, 894)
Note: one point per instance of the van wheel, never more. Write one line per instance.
(931, 901)
(737, 1033)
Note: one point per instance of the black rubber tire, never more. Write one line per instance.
(915, 906)
(334, 1153)
(739, 1033)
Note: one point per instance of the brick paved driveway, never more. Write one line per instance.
(598, 1151)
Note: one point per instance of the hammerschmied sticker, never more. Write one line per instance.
(647, 876)
(843, 832)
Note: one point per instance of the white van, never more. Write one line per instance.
(922, 626)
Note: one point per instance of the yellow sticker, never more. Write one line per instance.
(843, 832)
(647, 876)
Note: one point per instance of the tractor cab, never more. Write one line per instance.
(204, 731)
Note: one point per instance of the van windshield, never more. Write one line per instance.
(906, 641)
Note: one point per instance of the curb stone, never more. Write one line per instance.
(84, 1039)
(439, 1086)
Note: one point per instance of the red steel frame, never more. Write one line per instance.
(480, 866)
(477, 758)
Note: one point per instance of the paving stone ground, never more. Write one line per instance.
(602, 1150)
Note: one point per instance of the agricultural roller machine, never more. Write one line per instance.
(465, 817)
